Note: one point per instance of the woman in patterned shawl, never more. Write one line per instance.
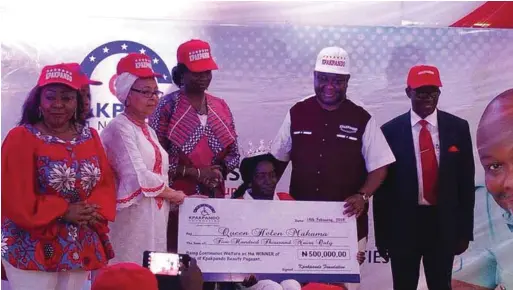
(57, 190)
(196, 129)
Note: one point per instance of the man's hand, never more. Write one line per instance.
(383, 252)
(360, 257)
(192, 278)
(249, 281)
(461, 247)
(355, 204)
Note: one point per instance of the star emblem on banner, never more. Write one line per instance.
(100, 53)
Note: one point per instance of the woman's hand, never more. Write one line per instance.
(210, 176)
(174, 196)
(81, 213)
(96, 217)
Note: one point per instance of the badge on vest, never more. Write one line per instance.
(302, 133)
(348, 129)
(347, 137)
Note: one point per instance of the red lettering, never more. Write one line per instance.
(333, 62)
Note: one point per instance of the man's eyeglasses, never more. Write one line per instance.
(149, 94)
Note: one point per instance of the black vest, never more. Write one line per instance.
(326, 155)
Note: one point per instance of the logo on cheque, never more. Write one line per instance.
(204, 214)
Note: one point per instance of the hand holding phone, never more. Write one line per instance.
(192, 278)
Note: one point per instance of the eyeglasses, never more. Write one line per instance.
(149, 94)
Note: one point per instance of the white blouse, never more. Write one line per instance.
(140, 165)
(247, 195)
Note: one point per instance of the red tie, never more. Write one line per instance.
(429, 163)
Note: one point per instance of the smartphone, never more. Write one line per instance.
(168, 264)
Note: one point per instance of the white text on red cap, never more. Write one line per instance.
(334, 62)
(199, 55)
(142, 63)
(58, 73)
(426, 72)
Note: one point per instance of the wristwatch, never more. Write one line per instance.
(364, 196)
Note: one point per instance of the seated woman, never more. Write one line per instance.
(258, 174)
(140, 164)
(259, 177)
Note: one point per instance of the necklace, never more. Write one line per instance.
(199, 109)
(134, 120)
(64, 134)
(54, 131)
(202, 105)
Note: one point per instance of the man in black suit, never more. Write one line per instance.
(424, 209)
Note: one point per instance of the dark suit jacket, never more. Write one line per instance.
(396, 201)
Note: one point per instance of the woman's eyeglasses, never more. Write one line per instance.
(149, 94)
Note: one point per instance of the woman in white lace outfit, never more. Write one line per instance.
(140, 165)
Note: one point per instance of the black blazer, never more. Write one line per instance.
(396, 201)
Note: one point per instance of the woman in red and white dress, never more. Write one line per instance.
(140, 165)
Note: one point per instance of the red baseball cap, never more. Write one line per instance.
(196, 55)
(62, 73)
(125, 276)
(423, 75)
(85, 79)
(320, 286)
(137, 64)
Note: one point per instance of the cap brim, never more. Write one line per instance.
(95, 83)
(148, 75)
(202, 65)
(53, 82)
(331, 70)
(426, 84)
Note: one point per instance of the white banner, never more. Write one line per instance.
(264, 69)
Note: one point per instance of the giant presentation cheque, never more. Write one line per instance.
(278, 240)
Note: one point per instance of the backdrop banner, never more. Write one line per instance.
(264, 69)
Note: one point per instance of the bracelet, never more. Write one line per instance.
(199, 173)
(364, 196)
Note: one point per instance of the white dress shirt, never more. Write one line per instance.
(433, 129)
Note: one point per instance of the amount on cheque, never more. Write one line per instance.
(324, 254)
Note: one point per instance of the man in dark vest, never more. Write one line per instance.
(425, 208)
(338, 152)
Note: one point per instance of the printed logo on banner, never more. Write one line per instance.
(107, 110)
(204, 214)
